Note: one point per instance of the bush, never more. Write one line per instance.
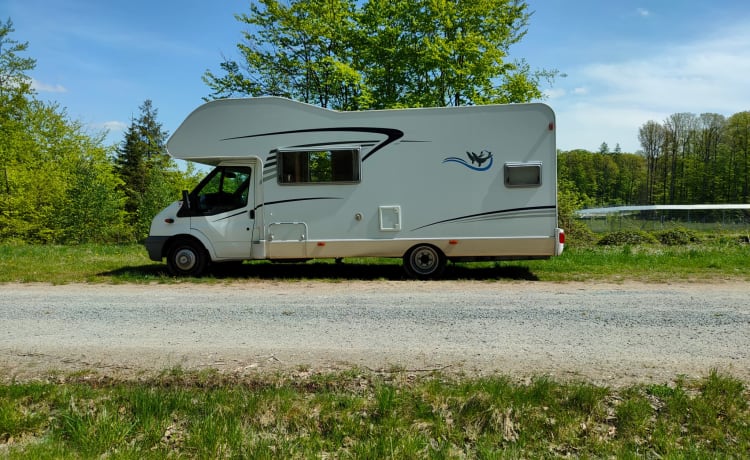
(579, 235)
(627, 237)
(677, 237)
(569, 199)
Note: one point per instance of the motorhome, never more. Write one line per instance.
(294, 182)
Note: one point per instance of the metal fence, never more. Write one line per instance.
(702, 217)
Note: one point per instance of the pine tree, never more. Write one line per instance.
(142, 155)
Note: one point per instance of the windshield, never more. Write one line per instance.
(226, 188)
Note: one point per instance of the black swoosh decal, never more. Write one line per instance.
(391, 134)
(292, 200)
(486, 214)
(366, 143)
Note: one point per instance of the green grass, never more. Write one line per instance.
(715, 258)
(75, 264)
(649, 263)
(356, 414)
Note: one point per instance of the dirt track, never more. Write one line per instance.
(603, 333)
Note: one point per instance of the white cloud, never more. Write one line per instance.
(643, 12)
(47, 88)
(587, 125)
(115, 125)
(613, 99)
(554, 93)
(708, 76)
(111, 126)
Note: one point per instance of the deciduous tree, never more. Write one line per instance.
(738, 143)
(379, 54)
(651, 137)
(449, 52)
(302, 50)
(56, 181)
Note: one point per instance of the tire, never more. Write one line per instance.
(424, 262)
(187, 258)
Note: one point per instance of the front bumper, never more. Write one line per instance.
(155, 247)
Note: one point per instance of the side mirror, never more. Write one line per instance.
(186, 199)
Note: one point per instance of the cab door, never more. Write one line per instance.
(222, 210)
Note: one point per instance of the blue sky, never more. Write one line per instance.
(626, 62)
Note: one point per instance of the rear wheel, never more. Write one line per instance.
(187, 258)
(424, 261)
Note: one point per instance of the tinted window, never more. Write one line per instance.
(523, 174)
(318, 166)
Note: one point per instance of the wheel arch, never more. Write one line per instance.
(174, 239)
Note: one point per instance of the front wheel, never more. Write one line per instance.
(187, 258)
(424, 261)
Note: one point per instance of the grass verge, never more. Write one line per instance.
(715, 259)
(355, 414)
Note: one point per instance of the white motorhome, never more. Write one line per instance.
(295, 182)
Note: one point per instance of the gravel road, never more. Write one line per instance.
(610, 334)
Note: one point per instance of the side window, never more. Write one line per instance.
(523, 174)
(318, 166)
(225, 189)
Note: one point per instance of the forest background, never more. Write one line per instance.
(60, 183)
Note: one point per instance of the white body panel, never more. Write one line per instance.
(439, 176)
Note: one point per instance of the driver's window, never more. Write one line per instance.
(225, 189)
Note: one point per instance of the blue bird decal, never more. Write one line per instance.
(477, 160)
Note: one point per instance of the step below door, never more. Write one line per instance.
(288, 240)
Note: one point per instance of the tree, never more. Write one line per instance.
(377, 54)
(708, 139)
(440, 53)
(570, 199)
(15, 90)
(630, 182)
(577, 166)
(56, 183)
(603, 179)
(301, 51)
(607, 172)
(688, 159)
(381, 39)
(93, 203)
(678, 129)
(738, 141)
(60, 186)
(142, 150)
(13, 67)
(150, 178)
(651, 137)
(144, 140)
(698, 159)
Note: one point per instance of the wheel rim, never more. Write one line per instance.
(185, 259)
(424, 260)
